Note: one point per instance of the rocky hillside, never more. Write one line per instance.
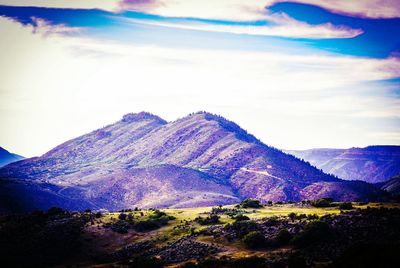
(199, 160)
(6, 157)
(392, 186)
(372, 164)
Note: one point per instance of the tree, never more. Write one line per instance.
(283, 237)
(250, 203)
(254, 240)
(292, 216)
(346, 206)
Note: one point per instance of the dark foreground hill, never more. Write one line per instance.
(372, 164)
(142, 160)
(6, 157)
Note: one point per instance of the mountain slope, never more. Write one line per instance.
(198, 160)
(6, 157)
(392, 186)
(372, 164)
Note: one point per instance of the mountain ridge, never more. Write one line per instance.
(6, 157)
(124, 164)
(373, 164)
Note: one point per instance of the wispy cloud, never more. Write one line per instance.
(44, 27)
(282, 26)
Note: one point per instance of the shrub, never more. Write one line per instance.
(241, 217)
(211, 219)
(283, 237)
(312, 217)
(346, 206)
(322, 202)
(55, 211)
(272, 221)
(314, 232)
(254, 240)
(292, 216)
(122, 216)
(146, 225)
(241, 228)
(250, 203)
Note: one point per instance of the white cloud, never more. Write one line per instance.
(54, 87)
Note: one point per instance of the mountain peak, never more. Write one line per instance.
(133, 117)
(228, 125)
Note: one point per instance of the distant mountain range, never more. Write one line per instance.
(6, 157)
(142, 160)
(372, 164)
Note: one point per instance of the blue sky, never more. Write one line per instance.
(297, 74)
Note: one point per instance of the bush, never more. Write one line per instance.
(346, 206)
(322, 202)
(241, 228)
(254, 240)
(122, 216)
(283, 237)
(211, 219)
(250, 203)
(314, 232)
(241, 217)
(292, 216)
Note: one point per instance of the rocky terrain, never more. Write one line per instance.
(6, 157)
(372, 164)
(142, 160)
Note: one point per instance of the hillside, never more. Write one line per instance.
(372, 164)
(6, 157)
(392, 186)
(142, 160)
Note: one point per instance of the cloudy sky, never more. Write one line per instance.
(297, 74)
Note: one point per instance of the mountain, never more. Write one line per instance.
(6, 157)
(142, 160)
(372, 164)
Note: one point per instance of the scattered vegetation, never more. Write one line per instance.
(210, 219)
(283, 235)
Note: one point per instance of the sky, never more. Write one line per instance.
(297, 74)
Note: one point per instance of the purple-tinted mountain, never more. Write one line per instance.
(6, 157)
(392, 186)
(199, 160)
(372, 164)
